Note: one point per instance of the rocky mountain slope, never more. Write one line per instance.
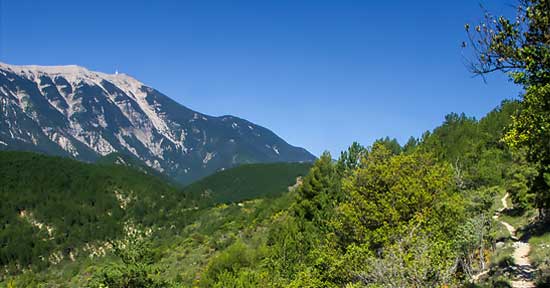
(75, 112)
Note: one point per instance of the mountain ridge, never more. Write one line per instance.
(72, 111)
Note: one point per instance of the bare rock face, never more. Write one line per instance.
(71, 111)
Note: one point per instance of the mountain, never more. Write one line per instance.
(75, 112)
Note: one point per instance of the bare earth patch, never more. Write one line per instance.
(523, 269)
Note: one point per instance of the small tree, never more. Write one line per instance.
(136, 268)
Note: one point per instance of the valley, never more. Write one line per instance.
(430, 163)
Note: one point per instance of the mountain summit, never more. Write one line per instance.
(72, 111)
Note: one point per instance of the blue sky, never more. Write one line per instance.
(320, 74)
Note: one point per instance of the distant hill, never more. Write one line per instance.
(246, 182)
(72, 111)
(54, 208)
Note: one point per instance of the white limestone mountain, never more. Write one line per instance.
(75, 112)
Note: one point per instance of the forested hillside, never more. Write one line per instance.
(246, 182)
(466, 204)
(54, 208)
(134, 163)
(421, 210)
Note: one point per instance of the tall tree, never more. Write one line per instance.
(521, 48)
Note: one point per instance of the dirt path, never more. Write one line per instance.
(522, 270)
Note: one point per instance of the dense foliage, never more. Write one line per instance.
(521, 48)
(382, 217)
(135, 266)
(417, 215)
(51, 206)
(131, 161)
(245, 182)
(386, 215)
(56, 209)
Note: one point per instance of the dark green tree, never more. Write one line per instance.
(411, 145)
(318, 190)
(391, 144)
(351, 159)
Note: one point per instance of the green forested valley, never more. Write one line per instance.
(386, 215)
(465, 204)
(59, 212)
(53, 208)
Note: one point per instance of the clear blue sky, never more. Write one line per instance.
(321, 74)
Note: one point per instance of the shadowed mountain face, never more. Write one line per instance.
(71, 111)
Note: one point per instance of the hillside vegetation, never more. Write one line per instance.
(246, 182)
(51, 206)
(55, 209)
(465, 205)
(130, 161)
(422, 210)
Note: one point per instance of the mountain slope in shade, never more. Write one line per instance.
(75, 112)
